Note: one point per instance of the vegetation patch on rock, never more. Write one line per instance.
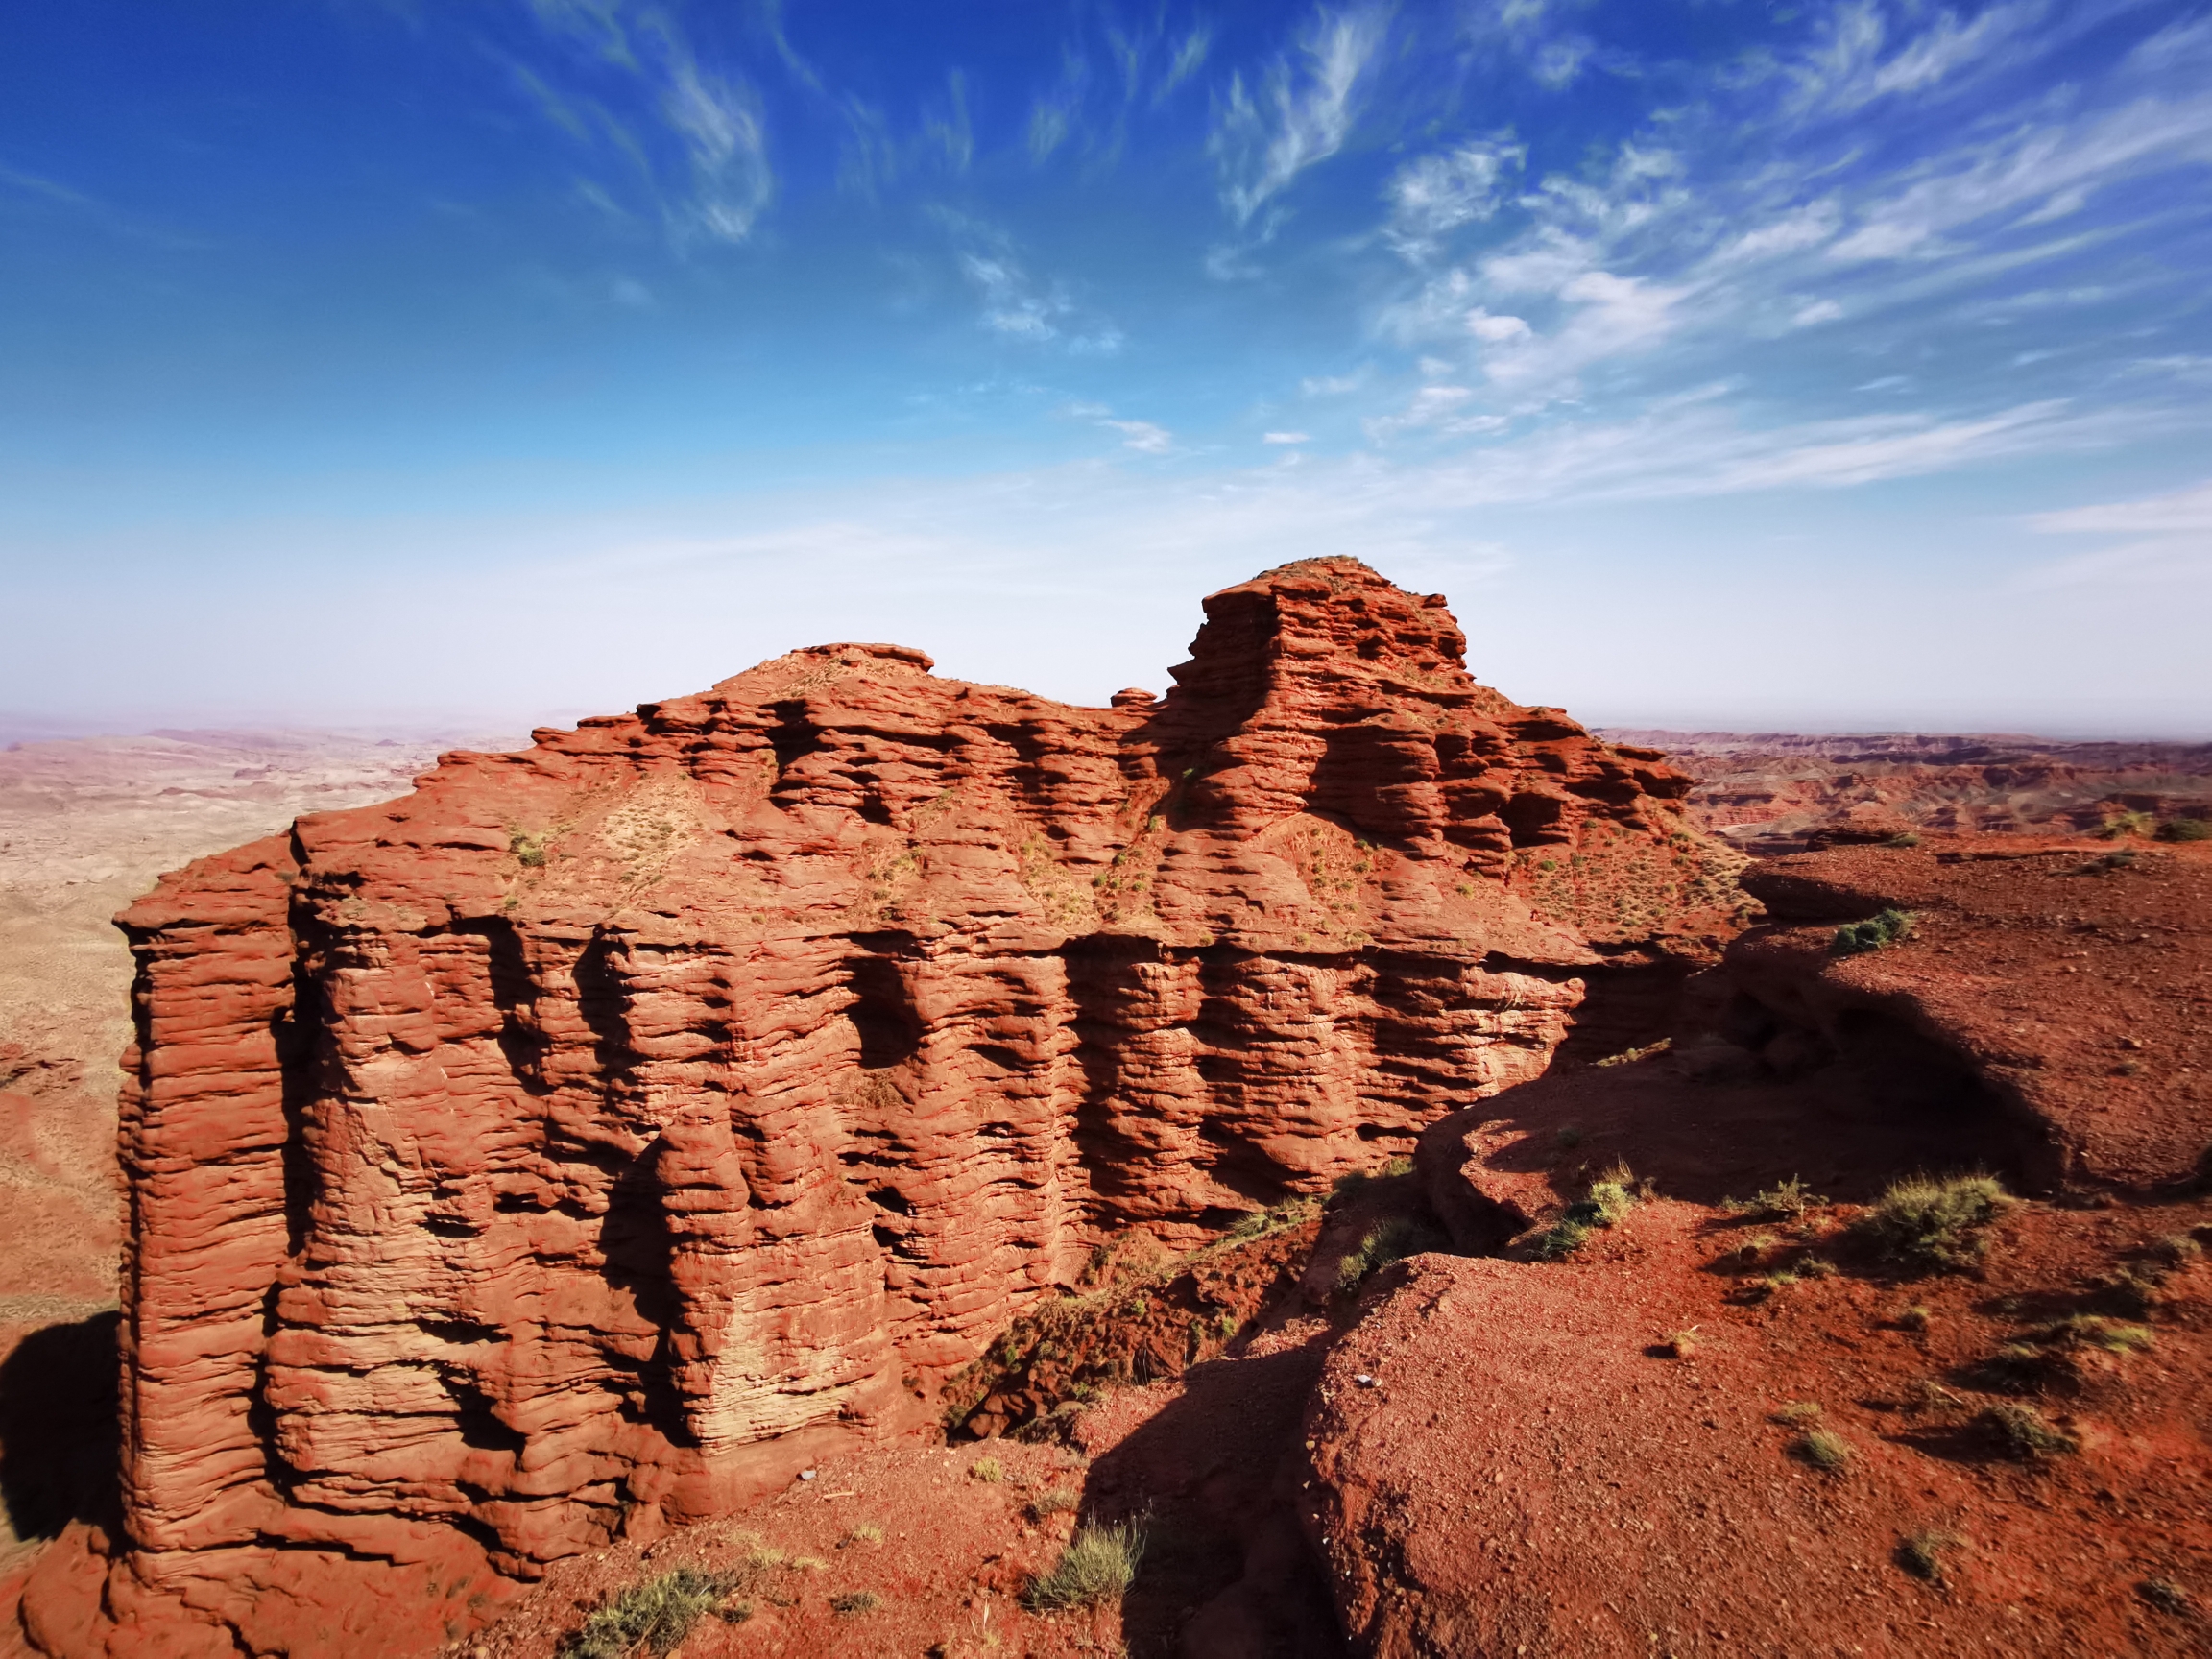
(1141, 1314)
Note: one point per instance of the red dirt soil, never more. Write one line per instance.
(1200, 1461)
(2074, 977)
(1505, 1458)
(1520, 1475)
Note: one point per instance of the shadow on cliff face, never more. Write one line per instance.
(57, 1428)
(1226, 1573)
(1624, 1007)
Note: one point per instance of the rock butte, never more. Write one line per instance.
(582, 1144)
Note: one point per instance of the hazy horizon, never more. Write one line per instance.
(1830, 368)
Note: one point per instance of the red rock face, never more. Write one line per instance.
(587, 1140)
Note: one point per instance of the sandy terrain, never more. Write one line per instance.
(1766, 791)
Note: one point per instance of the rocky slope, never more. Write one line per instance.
(1607, 1448)
(576, 1147)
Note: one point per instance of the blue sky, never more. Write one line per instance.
(1813, 364)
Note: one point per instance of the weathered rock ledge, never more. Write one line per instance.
(581, 1144)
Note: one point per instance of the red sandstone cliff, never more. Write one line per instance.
(590, 1137)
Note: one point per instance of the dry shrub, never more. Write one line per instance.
(1054, 1501)
(2024, 1432)
(650, 1618)
(1922, 1552)
(1824, 1449)
(1099, 1565)
(1927, 1223)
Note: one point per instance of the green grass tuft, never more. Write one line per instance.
(1824, 1449)
(1097, 1565)
(2026, 1434)
(1921, 1554)
(2094, 1330)
(650, 1618)
(1875, 933)
(1610, 1199)
(1386, 1243)
(1926, 1224)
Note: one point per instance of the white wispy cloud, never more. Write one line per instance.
(1700, 444)
(877, 153)
(1190, 55)
(1435, 194)
(1145, 437)
(1142, 436)
(713, 115)
(91, 210)
(946, 127)
(1052, 118)
(1744, 214)
(1113, 72)
(1535, 35)
(1017, 304)
(1439, 408)
(1559, 62)
(1301, 113)
(2172, 541)
(1852, 62)
(720, 120)
(1285, 437)
(2183, 509)
(2037, 161)
(1336, 385)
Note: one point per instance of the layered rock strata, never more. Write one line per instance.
(591, 1137)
